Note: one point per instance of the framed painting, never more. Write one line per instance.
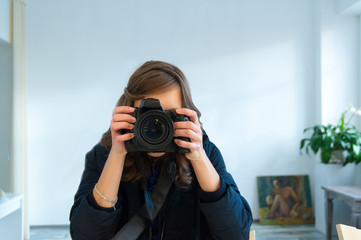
(285, 200)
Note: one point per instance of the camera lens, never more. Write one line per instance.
(154, 129)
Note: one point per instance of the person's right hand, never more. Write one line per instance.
(121, 120)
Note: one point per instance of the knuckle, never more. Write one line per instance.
(121, 109)
(123, 137)
(117, 109)
(118, 117)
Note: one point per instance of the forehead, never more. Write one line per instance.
(170, 99)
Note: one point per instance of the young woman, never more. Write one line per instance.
(203, 201)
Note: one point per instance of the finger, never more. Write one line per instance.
(125, 137)
(123, 109)
(190, 145)
(194, 137)
(188, 112)
(123, 118)
(187, 125)
(116, 126)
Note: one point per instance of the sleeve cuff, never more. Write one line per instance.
(208, 197)
(94, 204)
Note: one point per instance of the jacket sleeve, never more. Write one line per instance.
(87, 219)
(229, 217)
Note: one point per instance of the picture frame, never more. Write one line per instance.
(285, 200)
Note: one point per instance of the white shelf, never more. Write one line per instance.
(11, 217)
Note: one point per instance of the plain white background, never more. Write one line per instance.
(260, 71)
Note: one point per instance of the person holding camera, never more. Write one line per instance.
(155, 174)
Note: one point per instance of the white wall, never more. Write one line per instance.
(340, 54)
(6, 74)
(251, 65)
(348, 6)
(5, 21)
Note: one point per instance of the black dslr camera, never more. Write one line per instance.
(154, 129)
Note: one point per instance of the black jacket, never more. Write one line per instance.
(186, 214)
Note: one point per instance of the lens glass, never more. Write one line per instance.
(154, 129)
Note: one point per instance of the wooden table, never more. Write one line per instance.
(351, 195)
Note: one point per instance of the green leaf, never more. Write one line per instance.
(340, 144)
(306, 129)
(350, 157)
(318, 129)
(356, 149)
(326, 156)
(303, 143)
(307, 148)
(316, 143)
(327, 142)
(342, 122)
(358, 159)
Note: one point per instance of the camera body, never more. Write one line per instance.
(154, 129)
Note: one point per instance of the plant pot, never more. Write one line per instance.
(338, 157)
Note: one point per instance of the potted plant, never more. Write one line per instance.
(339, 143)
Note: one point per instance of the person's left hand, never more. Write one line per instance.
(192, 130)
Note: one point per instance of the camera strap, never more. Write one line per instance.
(153, 203)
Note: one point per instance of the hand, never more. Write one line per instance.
(121, 120)
(192, 130)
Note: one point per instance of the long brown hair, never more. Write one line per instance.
(154, 77)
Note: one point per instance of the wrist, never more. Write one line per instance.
(118, 154)
(109, 201)
(202, 156)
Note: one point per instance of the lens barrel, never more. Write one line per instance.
(154, 129)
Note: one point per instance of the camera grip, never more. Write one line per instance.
(133, 114)
(181, 118)
(181, 149)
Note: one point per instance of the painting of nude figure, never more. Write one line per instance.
(285, 200)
